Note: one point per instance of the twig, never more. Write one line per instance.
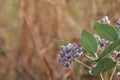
(101, 77)
(112, 73)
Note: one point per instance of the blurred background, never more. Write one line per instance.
(28, 29)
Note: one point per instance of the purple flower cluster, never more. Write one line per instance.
(68, 53)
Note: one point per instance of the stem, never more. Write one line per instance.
(112, 73)
(101, 77)
(89, 58)
(83, 64)
(96, 56)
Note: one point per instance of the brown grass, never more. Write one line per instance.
(28, 29)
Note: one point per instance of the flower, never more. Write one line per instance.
(68, 53)
(104, 20)
(118, 24)
(102, 43)
(118, 73)
(115, 55)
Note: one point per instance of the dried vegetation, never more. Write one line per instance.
(28, 29)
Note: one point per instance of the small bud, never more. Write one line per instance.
(61, 60)
(97, 37)
(66, 65)
(69, 56)
(118, 73)
(106, 17)
(118, 24)
(118, 55)
(104, 20)
(101, 45)
(78, 51)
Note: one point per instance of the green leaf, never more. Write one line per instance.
(114, 46)
(102, 66)
(62, 43)
(118, 48)
(88, 42)
(106, 31)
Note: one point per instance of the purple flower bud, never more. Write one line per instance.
(102, 42)
(78, 51)
(118, 55)
(102, 45)
(66, 65)
(61, 60)
(77, 55)
(118, 24)
(69, 56)
(78, 46)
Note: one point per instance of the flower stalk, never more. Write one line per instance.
(111, 77)
(82, 63)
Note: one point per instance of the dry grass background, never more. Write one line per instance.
(28, 29)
